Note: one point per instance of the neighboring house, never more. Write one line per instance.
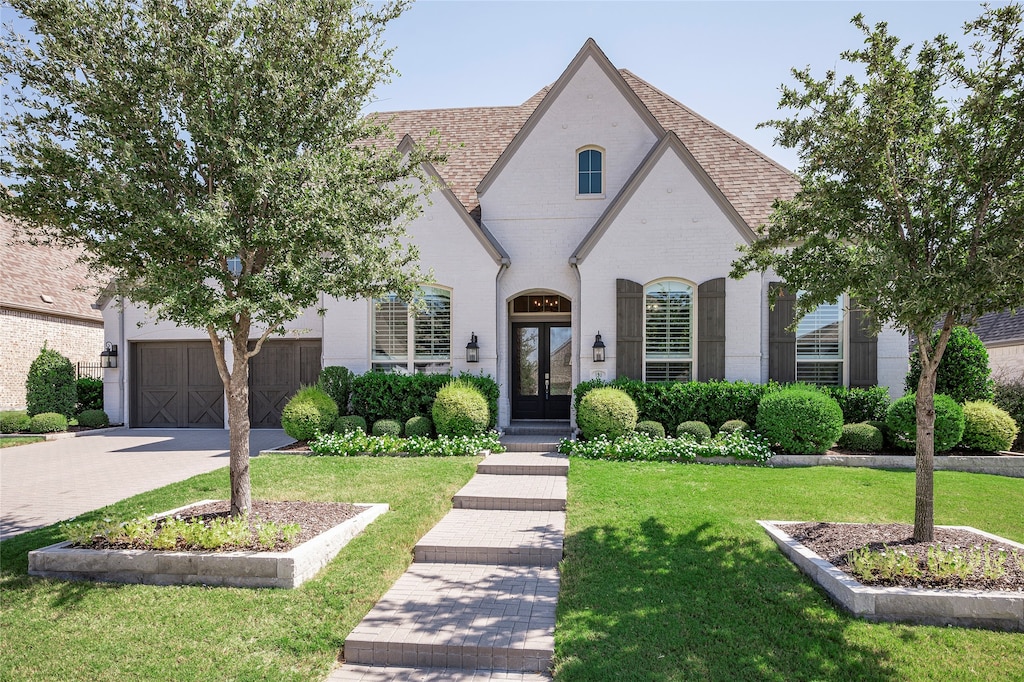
(600, 205)
(1003, 336)
(46, 297)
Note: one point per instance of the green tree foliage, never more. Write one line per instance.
(963, 374)
(50, 385)
(210, 158)
(910, 196)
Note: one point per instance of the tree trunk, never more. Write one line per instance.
(238, 424)
(924, 493)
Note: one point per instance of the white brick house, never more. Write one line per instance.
(600, 205)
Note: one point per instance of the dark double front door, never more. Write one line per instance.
(541, 370)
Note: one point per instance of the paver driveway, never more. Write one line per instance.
(43, 483)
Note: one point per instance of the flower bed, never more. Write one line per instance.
(359, 443)
(744, 447)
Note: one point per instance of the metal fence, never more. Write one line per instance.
(89, 369)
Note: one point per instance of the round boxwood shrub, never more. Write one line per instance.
(48, 422)
(902, 422)
(460, 409)
(800, 420)
(50, 386)
(351, 422)
(651, 428)
(14, 421)
(309, 412)
(93, 419)
(963, 372)
(987, 427)
(884, 428)
(863, 437)
(734, 425)
(419, 426)
(606, 411)
(387, 427)
(699, 430)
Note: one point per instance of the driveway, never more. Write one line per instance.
(44, 483)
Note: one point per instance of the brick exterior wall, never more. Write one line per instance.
(24, 334)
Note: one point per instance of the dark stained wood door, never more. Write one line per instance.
(541, 370)
(276, 373)
(176, 385)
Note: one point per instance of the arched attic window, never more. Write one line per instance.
(590, 162)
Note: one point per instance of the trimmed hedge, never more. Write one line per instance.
(884, 428)
(987, 427)
(89, 394)
(863, 437)
(387, 427)
(860, 404)
(48, 422)
(902, 422)
(376, 395)
(1010, 397)
(652, 429)
(309, 412)
(350, 422)
(50, 386)
(336, 381)
(93, 419)
(460, 409)
(699, 430)
(800, 420)
(606, 411)
(734, 425)
(14, 421)
(963, 372)
(419, 426)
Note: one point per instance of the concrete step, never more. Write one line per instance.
(525, 464)
(485, 536)
(541, 443)
(372, 673)
(516, 493)
(463, 616)
(539, 427)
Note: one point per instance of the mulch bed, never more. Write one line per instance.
(832, 541)
(313, 519)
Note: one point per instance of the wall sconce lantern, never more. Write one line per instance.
(598, 348)
(472, 349)
(108, 358)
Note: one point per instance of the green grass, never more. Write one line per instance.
(19, 440)
(668, 577)
(55, 630)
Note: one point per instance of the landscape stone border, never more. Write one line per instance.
(1008, 464)
(233, 569)
(61, 435)
(998, 610)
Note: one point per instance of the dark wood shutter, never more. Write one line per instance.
(629, 329)
(781, 341)
(711, 330)
(863, 348)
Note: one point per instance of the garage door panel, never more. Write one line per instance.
(275, 374)
(158, 408)
(176, 385)
(206, 408)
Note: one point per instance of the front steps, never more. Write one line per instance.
(478, 603)
(535, 435)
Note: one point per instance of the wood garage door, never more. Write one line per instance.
(276, 374)
(176, 385)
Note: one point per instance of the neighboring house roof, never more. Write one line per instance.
(30, 273)
(747, 178)
(1001, 327)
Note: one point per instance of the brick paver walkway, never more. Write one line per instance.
(478, 603)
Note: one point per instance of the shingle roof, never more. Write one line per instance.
(27, 273)
(750, 180)
(1004, 326)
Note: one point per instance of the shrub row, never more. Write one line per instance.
(1009, 395)
(376, 395)
(640, 447)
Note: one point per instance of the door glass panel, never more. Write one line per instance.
(560, 360)
(527, 339)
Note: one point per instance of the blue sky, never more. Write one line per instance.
(725, 60)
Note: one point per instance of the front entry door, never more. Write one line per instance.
(541, 370)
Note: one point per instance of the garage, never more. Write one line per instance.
(175, 384)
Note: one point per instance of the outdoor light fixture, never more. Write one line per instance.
(598, 348)
(472, 349)
(108, 358)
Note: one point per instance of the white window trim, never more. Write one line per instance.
(844, 341)
(693, 327)
(411, 361)
(604, 171)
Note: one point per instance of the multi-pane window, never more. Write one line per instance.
(819, 346)
(668, 331)
(421, 342)
(590, 172)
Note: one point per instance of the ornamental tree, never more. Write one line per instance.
(912, 193)
(208, 157)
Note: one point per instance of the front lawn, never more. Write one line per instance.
(667, 577)
(54, 630)
(11, 442)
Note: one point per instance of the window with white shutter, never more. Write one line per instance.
(819, 346)
(668, 331)
(420, 343)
